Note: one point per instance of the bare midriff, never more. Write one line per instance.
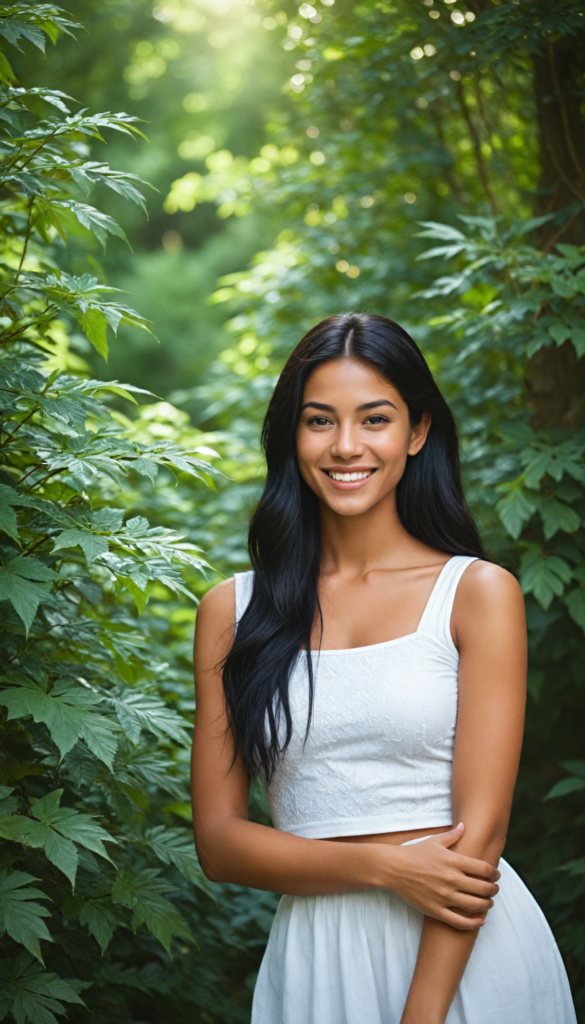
(395, 838)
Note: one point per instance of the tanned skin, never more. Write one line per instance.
(375, 582)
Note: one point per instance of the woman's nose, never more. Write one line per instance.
(347, 443)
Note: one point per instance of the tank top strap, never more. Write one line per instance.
(244, 583)
(436, 619)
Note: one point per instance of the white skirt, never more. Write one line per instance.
(349, 959)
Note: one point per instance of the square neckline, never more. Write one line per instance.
(397, 639)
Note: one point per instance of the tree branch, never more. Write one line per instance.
(477, 148)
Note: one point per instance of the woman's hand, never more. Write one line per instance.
(441, 883)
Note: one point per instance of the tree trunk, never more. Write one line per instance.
(555, 377)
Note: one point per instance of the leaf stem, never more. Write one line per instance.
(26, 238)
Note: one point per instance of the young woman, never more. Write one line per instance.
(376, 684)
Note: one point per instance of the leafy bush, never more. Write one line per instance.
(99, 881)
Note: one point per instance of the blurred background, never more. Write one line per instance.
(422, 159)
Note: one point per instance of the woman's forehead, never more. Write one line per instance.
(349, 379)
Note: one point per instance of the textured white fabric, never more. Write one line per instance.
(379, 752)
(349, 959)
(378, 758)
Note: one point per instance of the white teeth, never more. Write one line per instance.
(348, 477)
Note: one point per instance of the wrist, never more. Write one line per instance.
(379, 865)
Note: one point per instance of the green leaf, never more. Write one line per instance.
(563, 286)
(23, 582)
(543, 575)
(575, 867)
(143, 892)
(444, 232)
(535, 682)
(514, 510)
(176, 846)
(56, 829)
(574, 767)
(67, 710)
(557, 516)
(138, 594)
(95, 327)
(575, 602)
(564, 787)
(538, 340)
(62, 853)
(31, 568)
(33, 995)
(100, 920)
(19, 916)
(91, 544)
(578, 339)
(559, 332)
(94, 220)
(6, 72)
(8, 498)
(98, 734)
(24, 596)
(96, 913)
(137, 711)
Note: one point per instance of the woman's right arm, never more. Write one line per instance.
(231, 848)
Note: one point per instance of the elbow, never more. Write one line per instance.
(483, 839)
(491, 844)
(210, 859)
(209, 864)
(496, 844)
(211, 874)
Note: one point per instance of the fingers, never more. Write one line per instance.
(478, 887)
(451, 837)
(459, 921)
(475, 906)
(477, 868)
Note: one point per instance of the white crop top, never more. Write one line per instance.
(379, 752)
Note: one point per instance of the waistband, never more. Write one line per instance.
(433, 835)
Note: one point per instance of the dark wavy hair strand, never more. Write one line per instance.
(284, 536)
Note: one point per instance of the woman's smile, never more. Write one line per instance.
(350, 479)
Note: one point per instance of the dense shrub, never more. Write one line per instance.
(102, 902)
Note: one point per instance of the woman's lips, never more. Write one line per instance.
(350, 480)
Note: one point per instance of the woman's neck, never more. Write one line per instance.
(353, 545)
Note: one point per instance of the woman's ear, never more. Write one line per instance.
(419, 433)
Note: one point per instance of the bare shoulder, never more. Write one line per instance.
(219, 602)
(216, 616)
(485, 585)
(488, 607)
(214, 633)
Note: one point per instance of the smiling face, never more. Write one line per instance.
(354, 435)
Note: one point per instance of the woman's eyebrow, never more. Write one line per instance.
(361, 408)
(374, 405)
(318, 405)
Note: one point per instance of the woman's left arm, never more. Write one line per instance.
(489, 628)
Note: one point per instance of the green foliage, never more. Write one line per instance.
(202, 78)
(99, 879)
(32, 995)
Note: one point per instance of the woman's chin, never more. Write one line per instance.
(350, 503)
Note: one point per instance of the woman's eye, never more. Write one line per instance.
(375, 420)
(318, 421)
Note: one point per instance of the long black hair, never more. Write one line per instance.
(284, 538)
